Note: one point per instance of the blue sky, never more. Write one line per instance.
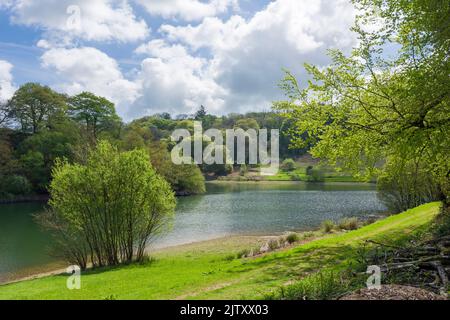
(152, 56)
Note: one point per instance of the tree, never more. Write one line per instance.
(4, 113)
(108, 210)
(367, 107)
(97, 114)
(38, 152)
(185, 179)
(201, 113)
(34, 107)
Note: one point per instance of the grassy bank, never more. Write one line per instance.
(209, 271)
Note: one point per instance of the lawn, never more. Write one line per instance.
(207, 270)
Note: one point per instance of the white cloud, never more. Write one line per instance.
(7, 87)
(173, 81)
(245, 60)
(88, 69)
(188, 10)
(92, 20)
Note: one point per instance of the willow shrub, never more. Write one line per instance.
(107, 211)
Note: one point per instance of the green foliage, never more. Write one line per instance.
(35, 107)
(314, 174)
(324, 285)
(369, 106)
(348, 224)
(292, 237)
(273, 244)
(109, 209)
(327, 226)
(244, 253)
(14, 185)
(184, 179)
(288, 165)
(96, 114)
(201, 113)
(406, 184)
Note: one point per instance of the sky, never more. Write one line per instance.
(152, 56)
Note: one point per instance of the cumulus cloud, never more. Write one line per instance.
(172, 80)
(226, 62)
(7, 87)
(89, 69)
(188, 10)
(91, 20)
(245, 60)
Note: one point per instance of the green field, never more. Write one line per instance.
(208, 271)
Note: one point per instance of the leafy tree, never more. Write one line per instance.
(246, 123)
(370, 106)
(201, 113)
(34, 107)
(107, 211)
(38, 152)
(96, 113)
(184, 179)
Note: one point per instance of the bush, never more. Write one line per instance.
(106, 211)
(348, 224)
(327, 226)
(288, 165)
(15, 185)
(292, 237)
(320, 286)
(314, 175)
(273, 244)
(244, 253)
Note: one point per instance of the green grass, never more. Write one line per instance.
(299, 174)
(205, 271)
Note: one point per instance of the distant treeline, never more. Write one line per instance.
(39, 125)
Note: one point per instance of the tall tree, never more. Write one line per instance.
(34, 107)
(201, 113)
(371, 106)
(96, 113)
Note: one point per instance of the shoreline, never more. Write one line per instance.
(289, 182)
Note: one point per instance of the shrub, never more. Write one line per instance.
(15, 185)
(292, 237)
(229, 257)
(314, 175)
(348, 224)
(243, 253)
(288, 165)
(107, 210)
(320, 286)
(308, 234)
(273, 244)
(327, 226)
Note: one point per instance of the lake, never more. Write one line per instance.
(226, 209)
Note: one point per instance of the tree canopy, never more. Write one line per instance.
(370, 107)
